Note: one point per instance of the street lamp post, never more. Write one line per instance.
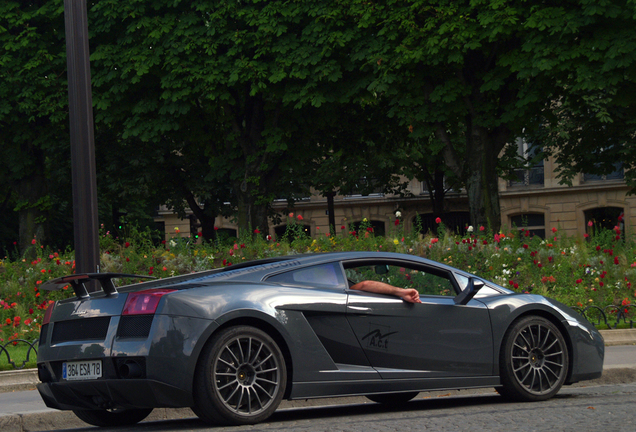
(85, 220)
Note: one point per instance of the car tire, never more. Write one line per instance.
(533, 361)
(112, 418)
(240, 378)
(392, 398)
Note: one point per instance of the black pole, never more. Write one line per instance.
(85, 221)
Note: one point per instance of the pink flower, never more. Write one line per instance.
(269, 237)
(481, 228)
(33, 241)
(291, 215)
(438, 220)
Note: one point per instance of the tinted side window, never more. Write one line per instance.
(326, 275)
(424, 281)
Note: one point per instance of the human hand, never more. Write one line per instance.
(411, 295)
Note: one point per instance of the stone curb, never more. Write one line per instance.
(619, 337)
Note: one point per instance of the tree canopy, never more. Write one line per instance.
(224, 106)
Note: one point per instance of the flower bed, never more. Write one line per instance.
(595, 270)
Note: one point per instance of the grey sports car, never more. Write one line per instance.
(233, 342)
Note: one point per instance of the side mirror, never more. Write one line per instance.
(474, 285)
(381, 269)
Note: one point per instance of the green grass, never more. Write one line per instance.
(17, 354)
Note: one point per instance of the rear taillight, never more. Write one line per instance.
(144, 302)
(48, 313)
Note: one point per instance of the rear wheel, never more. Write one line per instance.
(110, 418)
(533, 361)
(392, 398)
(241, 377)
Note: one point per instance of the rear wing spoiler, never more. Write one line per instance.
(77, 282)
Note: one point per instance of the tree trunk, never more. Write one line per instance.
(205, 216)
(332, 212)
(252, 215)
(482, 181)
(31, 215)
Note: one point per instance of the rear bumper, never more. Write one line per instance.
(113, 393)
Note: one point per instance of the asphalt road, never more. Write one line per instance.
(578, 409)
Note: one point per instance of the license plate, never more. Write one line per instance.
(82, 370)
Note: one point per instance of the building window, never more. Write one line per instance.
(456, 222)
(531, 223)
(377, 227)
(604, 218)
(365, 187)
(281, 230)
(532, 173)
(617, 174)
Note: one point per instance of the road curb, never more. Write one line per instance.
(619, 337)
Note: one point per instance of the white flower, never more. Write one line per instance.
(470, 228)
(398, 214)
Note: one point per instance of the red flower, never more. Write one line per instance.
(31, 311)
(300, 217)
(256, 231)
(554, 230)
(216, 228)
(579, 281)
(397, 222)
(525, 246)
(126, 244)
(33, 241)
(616, 260)
(438, 220)
(481, 228)
(342, 227)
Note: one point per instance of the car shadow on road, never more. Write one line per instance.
(322, 412)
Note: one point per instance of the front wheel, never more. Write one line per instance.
(112, 418)
(533, 361)
(241, 377)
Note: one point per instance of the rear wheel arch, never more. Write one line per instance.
(260, 324)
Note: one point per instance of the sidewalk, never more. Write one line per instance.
(22, 409)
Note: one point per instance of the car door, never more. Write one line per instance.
(435, 338)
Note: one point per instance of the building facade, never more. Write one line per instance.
(535, 201)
